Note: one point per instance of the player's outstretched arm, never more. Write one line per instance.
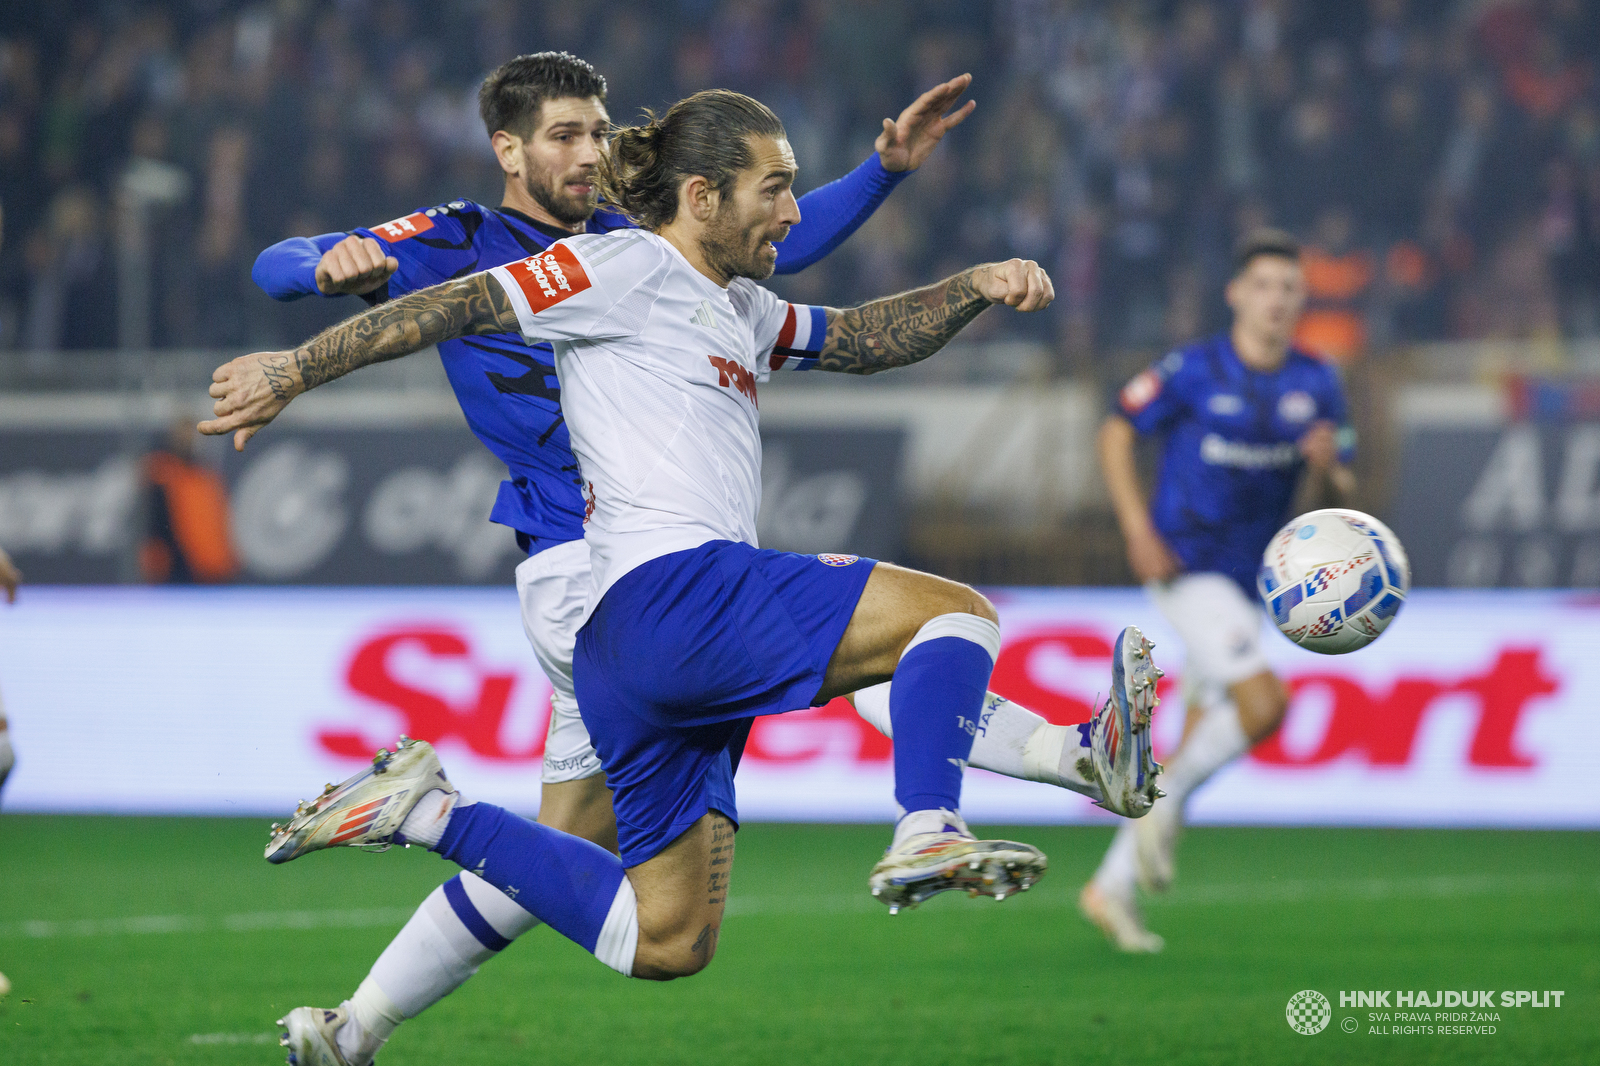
(830, 214)
(251, 390)
(905, 329)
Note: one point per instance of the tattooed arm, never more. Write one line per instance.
(252, 389)
(905, 329)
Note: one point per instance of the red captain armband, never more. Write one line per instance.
(1137, 394)
(549, 277)
(401, 228)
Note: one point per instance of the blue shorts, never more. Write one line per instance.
(681, 653)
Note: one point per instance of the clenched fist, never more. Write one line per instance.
(1019, 283)
(355, 266)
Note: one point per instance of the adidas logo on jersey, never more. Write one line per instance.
(703, 316)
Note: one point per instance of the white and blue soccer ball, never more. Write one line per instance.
(1333, 580)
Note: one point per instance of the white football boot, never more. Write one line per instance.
(925, 864)
(1119, 733)
(310, 1035)
(1119, 919)
(366, 810)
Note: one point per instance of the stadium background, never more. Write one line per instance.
(1441, 160)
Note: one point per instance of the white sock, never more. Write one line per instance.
(1216, 740)
(618, 943)
(1011, 740)
(425, 824)
(938, 820)
(432, 955)
(1119, 870)
(8, 757)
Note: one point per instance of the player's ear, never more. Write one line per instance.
(508, 150)
(698, 198)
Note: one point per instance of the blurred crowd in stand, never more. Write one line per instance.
(1441, 160)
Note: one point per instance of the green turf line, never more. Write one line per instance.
(171, 941)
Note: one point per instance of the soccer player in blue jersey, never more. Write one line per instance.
(1246, 421)
(508, 391)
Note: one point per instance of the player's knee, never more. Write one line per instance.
(1263, 706)
(671, 957)
(964, 599)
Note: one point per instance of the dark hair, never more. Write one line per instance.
(510, 97)
(1259, 242)
(704, 134)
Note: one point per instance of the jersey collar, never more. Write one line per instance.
(555, 233)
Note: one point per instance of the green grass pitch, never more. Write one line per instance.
(145, 940)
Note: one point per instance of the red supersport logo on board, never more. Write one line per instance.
(1377, 726)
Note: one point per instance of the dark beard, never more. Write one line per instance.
(720, 246)
(561, 208)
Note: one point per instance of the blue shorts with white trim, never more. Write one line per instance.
(682, 652)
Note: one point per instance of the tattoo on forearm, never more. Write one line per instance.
(900, 330)
(279, 378)
(474, 304)
(721, 861)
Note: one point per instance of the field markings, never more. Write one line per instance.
(234, 1038)
(1443, 886)
(43, 929)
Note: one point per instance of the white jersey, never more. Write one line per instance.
(658, 368)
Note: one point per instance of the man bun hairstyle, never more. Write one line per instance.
(704, 134)
(510, 97)
(1263, 241)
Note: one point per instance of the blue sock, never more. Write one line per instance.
(564, 881)
(934, 705)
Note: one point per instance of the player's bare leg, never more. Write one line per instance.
(682, 893)
(582, 808)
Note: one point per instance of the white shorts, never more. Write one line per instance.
(553, 587)
(1221, 632)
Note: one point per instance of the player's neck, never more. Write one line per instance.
(681, 238)
(517, 199)
(1259, 352)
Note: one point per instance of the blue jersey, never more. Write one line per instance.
(507, 388)
(1231, 458)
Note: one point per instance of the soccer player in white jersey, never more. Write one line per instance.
(1246, 419)
(661, 340)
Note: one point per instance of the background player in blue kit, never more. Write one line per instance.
(1247, 422)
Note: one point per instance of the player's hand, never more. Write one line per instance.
(1320, 446)
(355, 266)
(906, 142)
(10, 576)
(1019, 283)
(249, 392)
(1151, 559)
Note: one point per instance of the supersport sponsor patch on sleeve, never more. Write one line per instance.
(1140, 392)
(800, 338)
(403, 228)
(549, 277)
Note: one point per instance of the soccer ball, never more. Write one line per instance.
(1334, 579)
